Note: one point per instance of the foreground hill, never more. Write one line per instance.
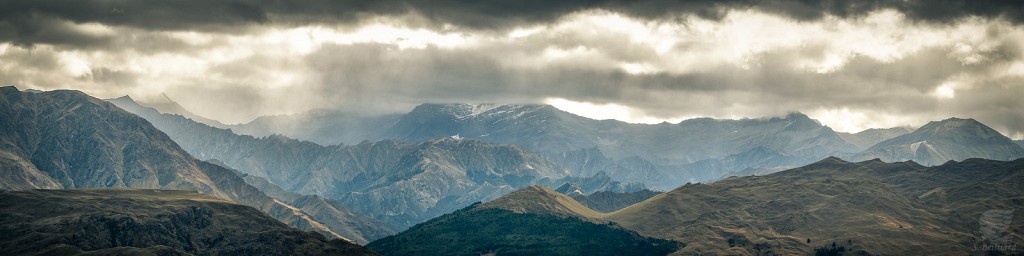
(940, 141)
(531, 221)
(868, 207)
(541, 200)
(146, 221)
(69, 140)
(867, 138)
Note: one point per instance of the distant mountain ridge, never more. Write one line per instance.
(867, 138)
(660, 156)
(604, 201)
(166, 105)
(940, 141)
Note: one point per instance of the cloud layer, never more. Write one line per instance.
(851, 64)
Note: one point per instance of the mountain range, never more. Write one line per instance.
(940, 141)
(386, 179)
(148, 222)
(660, 156)
(397, 182)
(69, 140)
(432, 164)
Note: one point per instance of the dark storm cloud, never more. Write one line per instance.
(27, 22)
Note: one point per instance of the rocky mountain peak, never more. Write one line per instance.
(570, 189)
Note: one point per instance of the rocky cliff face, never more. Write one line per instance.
(68, 140)
(141, 221)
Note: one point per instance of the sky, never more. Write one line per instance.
(851, 64)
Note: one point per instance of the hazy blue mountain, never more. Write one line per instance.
(941, 141)
(324, 127)
(661, 156)
(604, 201)
(658, 155)
(867, 138)
(148, 222)
(69, 140)
(166, 105)
(546, 130)
(396, 182)
(1019, 142)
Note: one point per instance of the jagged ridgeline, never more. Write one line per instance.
(69, 140)
(382, 179)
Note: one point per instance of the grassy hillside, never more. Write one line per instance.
(477, 230)
(868, 207)
(148, 221)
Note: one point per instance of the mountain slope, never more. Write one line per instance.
(68, 140)
(868, 207)
(166, 105)
(531, 221)
(940, 141)
(140, 221)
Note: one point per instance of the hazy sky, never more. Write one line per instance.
(852, 64)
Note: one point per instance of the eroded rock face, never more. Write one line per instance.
(165, 222)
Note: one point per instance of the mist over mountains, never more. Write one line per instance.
(434, 164)
(440, 157)
(660, 156)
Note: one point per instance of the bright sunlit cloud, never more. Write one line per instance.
(749, 63)
(607, 111)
